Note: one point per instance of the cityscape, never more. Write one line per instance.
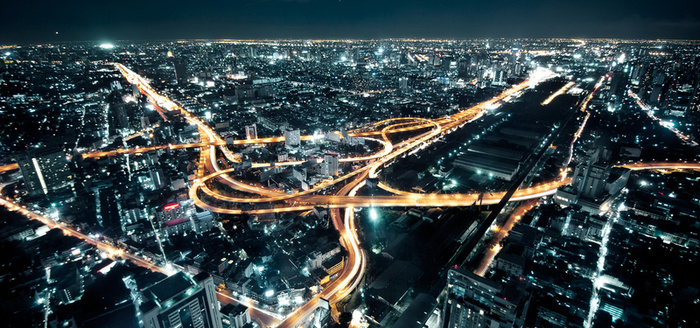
(389, 182)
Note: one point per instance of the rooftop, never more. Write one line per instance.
(169, 288)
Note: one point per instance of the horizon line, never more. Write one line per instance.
(404, 39)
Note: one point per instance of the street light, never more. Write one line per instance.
(373, 214)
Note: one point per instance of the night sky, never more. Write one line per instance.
(95, 20)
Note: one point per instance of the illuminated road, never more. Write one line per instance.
(501, 233)
(70, 231)
(9, 167)
(350, 275)
(352, 272)
(405, 199)
(647, 109)
(111, 250)
(661, 166)
(583, 107)
(344, 198)
(449, 124)
(558, 93)
(427, 131)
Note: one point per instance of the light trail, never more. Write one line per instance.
(355, 264)
(353, 271)
(70, 231)
(348, 235)
(501, 233)
(579, 131)
(9, 167)
(661, 166)
(558, 93)
(112, 251)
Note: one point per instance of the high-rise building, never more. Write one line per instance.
(474, 301)
(292, 138)
(181, 301)
(180, 71)
(45, 171)
(590, 186)
(251, 132)
(330, 164)
(590, 177)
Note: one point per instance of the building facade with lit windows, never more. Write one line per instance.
(474, 301)
(45, 171)
(181, 301)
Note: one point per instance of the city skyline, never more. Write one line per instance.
(350, 183)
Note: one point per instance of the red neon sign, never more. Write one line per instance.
(171, 206)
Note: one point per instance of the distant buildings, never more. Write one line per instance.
(181, 301)
(273, 86)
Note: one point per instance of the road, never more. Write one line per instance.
(112, 250)
(427, 131)
(501, 233)
(9, 167)
(557, 93)
(338, 289)
(68, 230)
(650, 112)
(437, 128)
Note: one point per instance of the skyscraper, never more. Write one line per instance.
(179, 301)
(330, 164)
(590, 176)
(44, 171)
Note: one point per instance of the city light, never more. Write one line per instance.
(373, 214)
(217, 159)
(171, 206)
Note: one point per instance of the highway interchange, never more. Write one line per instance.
(343, 198)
